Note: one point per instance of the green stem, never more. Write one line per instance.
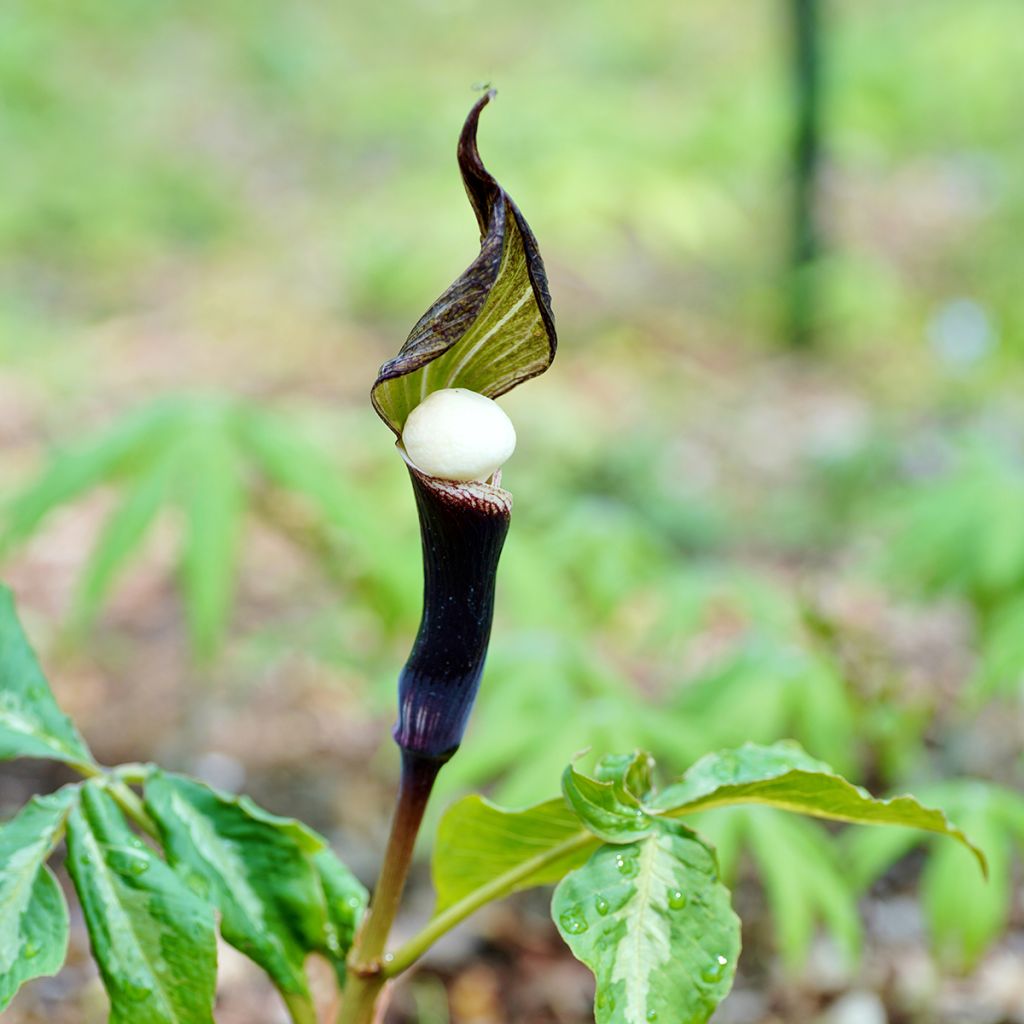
(129, 802)
(495, 889)
(366, 976)
(299, 1008)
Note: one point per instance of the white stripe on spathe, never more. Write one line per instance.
(460, 365)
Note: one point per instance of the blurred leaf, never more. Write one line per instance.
(153, 938)
(478, 841)
(122, 535)
(33, 912)
(31, 724)
(493, 328)
(769, 688)
(804, 882)
(128, 445)
(214, 504)
(960, 533)
(1001, 670)
(784, 776)
(965, 913)
(280, 893)
(656, 927)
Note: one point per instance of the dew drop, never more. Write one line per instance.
(715, 971)
(139, 867)
(676, 899)
(605, 1001)
(628, 866)
(652, 1015)
(602, 905)
(388, 957)
(573, 922)
(355, 902)
(31, 950)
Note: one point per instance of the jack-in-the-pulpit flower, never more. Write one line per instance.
(491, 330)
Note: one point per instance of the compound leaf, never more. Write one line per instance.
(31, 724)
(656, 927)
(153, 938)
(33, 912)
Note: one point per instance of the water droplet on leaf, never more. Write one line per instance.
(676, 899)
(715, 971)
(628, 866)
(602, 905)
(652, 1015)
(31, 950)
(573, 922)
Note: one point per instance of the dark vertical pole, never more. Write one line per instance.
(805, 242)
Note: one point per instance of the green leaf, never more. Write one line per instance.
(784, 776)
(655, 925)
(493, 328)
(280, 894)
(803, 880)
(31, 724)
(122, 534)
(214, 503)
(634, 771)
(153, 938)
(966, 912)
(478, 842)
(345, 899)
(609, 809)
(131, 441)
(33, 912)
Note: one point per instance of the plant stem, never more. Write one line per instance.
(498, 887)
(128, 800)
(366, 976)
(299, 1008)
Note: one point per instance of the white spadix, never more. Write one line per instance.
(458, 434)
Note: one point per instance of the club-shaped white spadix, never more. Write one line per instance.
(458, 434)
